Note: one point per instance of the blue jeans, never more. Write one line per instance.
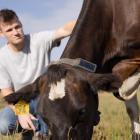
(8, 121)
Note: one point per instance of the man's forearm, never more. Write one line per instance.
(69, 27)
(65, 30)
(6, 91)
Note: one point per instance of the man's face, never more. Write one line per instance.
(12, 31)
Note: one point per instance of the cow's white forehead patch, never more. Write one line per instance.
(57, 90)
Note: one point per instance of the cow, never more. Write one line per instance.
(67, 99)
(106, 34)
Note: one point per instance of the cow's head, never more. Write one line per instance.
(68, 99)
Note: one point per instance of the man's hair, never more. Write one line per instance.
(7, 15)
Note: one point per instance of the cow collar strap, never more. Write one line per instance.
(78, 62)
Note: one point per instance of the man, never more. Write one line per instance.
(22, 60)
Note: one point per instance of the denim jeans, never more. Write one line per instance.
(8, 121)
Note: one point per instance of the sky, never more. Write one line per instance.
(40, 15)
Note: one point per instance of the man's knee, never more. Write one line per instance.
(7, 121)
(4, 127)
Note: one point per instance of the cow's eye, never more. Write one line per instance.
(82, 114)
(82, 111)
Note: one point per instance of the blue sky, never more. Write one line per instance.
(38, 15)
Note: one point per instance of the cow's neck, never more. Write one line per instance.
(89, 35)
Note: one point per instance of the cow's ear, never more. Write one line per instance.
(26, 93)
(108, 82)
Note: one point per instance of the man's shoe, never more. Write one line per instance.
(28, 135)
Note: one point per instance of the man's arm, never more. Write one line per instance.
(6, 91)
(64, 31)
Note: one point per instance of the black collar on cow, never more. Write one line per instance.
(78, 62)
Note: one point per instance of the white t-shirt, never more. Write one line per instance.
(18, 69)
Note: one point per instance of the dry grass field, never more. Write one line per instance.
(114, 123)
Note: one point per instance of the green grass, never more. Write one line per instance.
(114, 123)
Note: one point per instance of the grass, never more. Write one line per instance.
(114, 123)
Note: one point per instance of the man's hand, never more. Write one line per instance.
(26, 121)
